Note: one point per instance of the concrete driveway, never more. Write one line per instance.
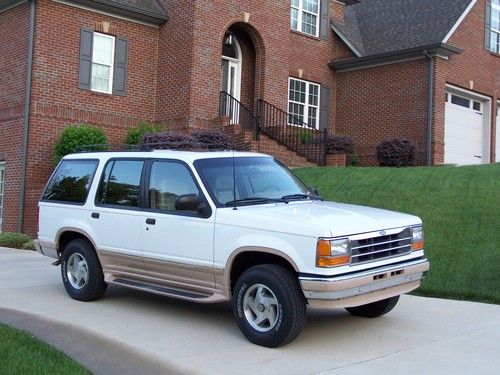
(132, 332)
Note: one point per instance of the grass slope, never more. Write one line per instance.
(21, 353)
(460, 208)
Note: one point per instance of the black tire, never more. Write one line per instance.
(374, 309)
(289, 310)
(94, 286)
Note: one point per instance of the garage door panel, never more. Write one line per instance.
(464, 136)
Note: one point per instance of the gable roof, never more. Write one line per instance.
(377, 27)
(150, 11)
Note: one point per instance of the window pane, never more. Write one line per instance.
(295, 3)
(102, 52)
(100, 77)
(312, 113)
(495, 19)
(71, 181)
(495, 42)
(296, 112)
(297, 91)
(169, 181)
(313, 94)
(294, 19)
(458, 100)
(310, 6)
(122, 186)
(476, 106)
(309, 23)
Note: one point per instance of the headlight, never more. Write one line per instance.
(332, 253)
(417, 238)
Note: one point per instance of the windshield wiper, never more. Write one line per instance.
(254, 200)
(300, 196)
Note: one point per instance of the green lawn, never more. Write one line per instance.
(21, 353)
(460, 208)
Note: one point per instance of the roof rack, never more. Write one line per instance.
(145, 147)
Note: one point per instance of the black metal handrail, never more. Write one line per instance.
(230, 107)
(292, 132)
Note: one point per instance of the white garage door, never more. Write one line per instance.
(497, 150)
(464, 131)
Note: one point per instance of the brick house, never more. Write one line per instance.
(372, 69)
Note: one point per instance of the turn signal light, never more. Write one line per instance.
(419, 245)
(332, 261)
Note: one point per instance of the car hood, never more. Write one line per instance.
(314, 218)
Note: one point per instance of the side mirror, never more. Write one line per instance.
(313, 190)
(188, 202)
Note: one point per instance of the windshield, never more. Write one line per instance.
(255, 180)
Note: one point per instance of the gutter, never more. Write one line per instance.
(430, 107)
(24, 149)
(353, 63)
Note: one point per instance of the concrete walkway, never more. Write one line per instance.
(132, 332)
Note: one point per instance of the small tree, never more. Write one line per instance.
(341, 144)
(213, 140)
(170, 140)
(76, 135)
(134, 135)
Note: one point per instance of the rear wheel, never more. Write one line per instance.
(374, 309)
(81, 271)
(269, 306)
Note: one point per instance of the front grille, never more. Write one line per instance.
(370, 249)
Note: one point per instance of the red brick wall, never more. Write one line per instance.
(383, 102)
(56, 99)
(13, 69)
(476, 69)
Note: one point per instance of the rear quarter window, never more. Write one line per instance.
(71, 181)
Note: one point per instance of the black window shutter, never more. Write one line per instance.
(324, 117)
(120, 69)
(85, 74)
(487, 26)
(324, 23)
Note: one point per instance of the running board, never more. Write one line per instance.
(160, 290)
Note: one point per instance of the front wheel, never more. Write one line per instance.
(81, 271)
(269, 306)
(374, 309)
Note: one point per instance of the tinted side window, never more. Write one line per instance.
(120, 183)
(168, 181)
(71, 181)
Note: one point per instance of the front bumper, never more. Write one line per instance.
(365, 286)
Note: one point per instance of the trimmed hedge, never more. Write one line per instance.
(396, 153)
(14, 240)
(76, 135)
(135, 134)
(213, 140)
(170, 140)
(341, 144)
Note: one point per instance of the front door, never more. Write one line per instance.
(231, 77)
(177, 245)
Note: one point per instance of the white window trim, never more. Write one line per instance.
(306, 104)
(2, 168)
(111, 68)
(492, 29)
(300, 11)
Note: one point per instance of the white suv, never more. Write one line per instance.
(218, 226)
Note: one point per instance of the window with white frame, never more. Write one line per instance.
(303, 102)
(304, 16)
(103, 53)
(495, 26)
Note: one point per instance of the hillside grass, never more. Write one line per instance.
(460, 208)
(21, 353)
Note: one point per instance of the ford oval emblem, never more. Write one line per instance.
(382, 232)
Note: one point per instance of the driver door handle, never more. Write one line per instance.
(151, 221)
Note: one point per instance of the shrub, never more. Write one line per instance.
(396, 153)
(78, 135)
(168, 141)
(135, 134)
(13, 240)
(213, 140)
(306, 136)
(341, 144)
(30, 245)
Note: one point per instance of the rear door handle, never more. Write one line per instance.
(151, 221)
(95, 215)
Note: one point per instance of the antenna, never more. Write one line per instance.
(234, 183)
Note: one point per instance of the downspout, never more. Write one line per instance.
(430, 105)
(24, 150)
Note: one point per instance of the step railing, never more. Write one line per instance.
(292, 132)
(238, 114)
